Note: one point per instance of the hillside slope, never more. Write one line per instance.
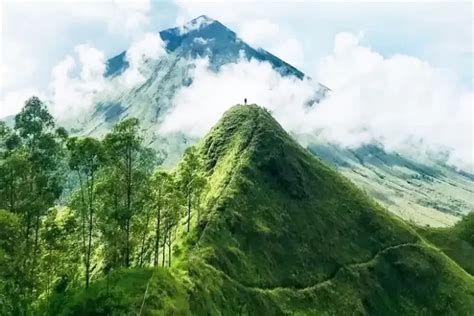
(457, 241)
(283, 234)
(424, 193)
(282, 223)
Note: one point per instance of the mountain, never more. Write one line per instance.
(202, 37)
(426, 193)
(283, 234)
(205, 37)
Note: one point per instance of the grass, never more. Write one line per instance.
(456, 241)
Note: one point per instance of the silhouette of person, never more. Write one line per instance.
(245, 101)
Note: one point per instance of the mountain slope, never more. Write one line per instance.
(457, 241)
(423, 193)
(282, 192)
(202, 37)
(282, 223)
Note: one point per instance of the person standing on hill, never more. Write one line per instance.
(245, 101)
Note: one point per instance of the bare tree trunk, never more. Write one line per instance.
(157, 235)
(197, 206)
(89, 239)
(35, 245)
(127, 243)
(169, 249)
(129, 203)
(142, 247)
(189, 211)
(163, 252)
(83, 214)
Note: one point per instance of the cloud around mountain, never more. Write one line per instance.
(400, 101)
(78, 82)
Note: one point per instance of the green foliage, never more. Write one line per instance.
(126, 292)
(457, 241)
(191, 181)
(11, 279)
(129, 166)
(86, 156)
(31, 180)
(60, 259)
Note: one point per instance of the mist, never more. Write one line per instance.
(400, 102)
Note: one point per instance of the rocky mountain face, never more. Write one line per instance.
(431, 194)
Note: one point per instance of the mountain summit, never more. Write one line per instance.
(206, 37)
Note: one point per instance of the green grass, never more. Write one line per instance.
(456, 241)
(283, 234)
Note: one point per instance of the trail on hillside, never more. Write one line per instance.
(331, 277)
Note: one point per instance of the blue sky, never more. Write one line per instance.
(302, 33)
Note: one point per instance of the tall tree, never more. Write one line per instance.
(171, 214)
(132, 163)
(191, 180)
(166, 199)
(37, 142)
(86, 157)
(60, 260)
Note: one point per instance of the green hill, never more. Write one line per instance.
(283, 234)
(456, 241)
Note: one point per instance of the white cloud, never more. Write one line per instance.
(78, 83)
(401, 102)
(151, 46)
(127, 16)
(48, 31)
(12, 102)
(200, 105)
(270, 36)
(73, 94)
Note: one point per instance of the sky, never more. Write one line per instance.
(405, 62)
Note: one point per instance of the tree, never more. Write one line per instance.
(172, 202)
(164, 189)
(131, 163)
(191, 180)
(85, 158)
(60, 260)
(32, 174)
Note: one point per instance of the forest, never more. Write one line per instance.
(76, 208)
